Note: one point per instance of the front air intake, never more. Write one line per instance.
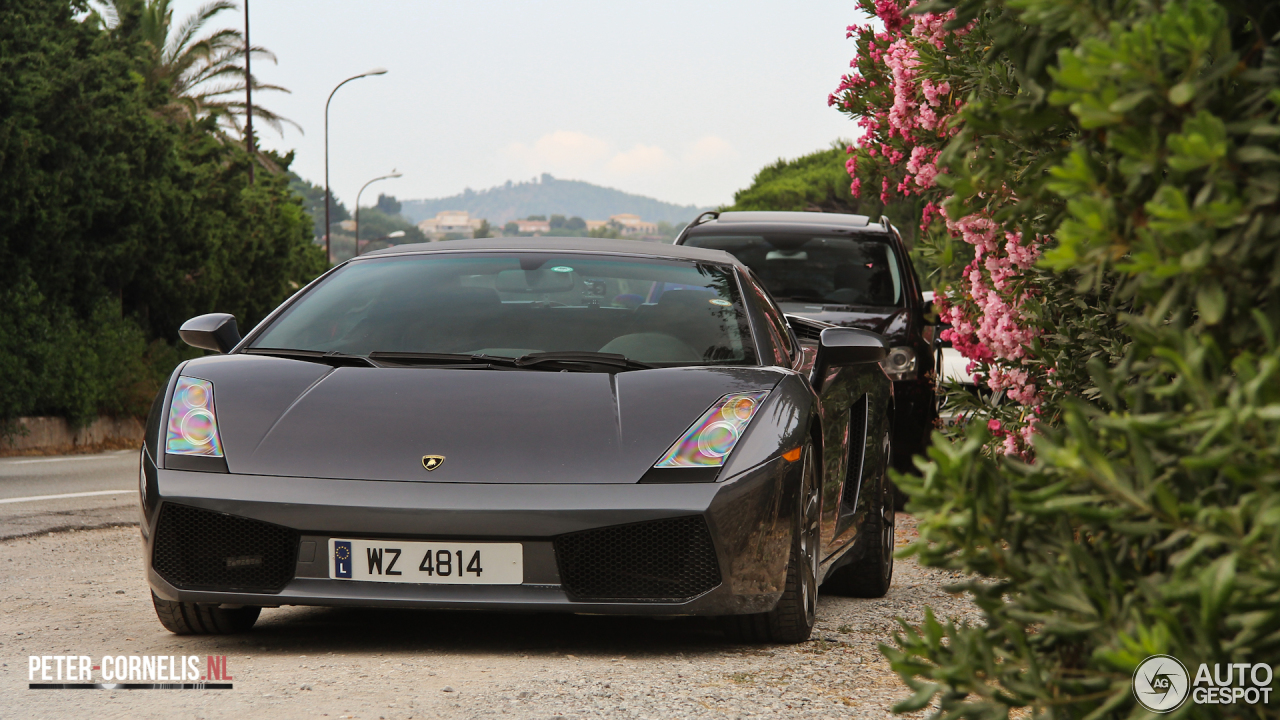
(199, 549)
(657, 561)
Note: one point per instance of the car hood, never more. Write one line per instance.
(886, 321)
(293, 418)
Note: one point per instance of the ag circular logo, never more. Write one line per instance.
(1161, 683)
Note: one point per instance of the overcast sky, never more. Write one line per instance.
(678, 100)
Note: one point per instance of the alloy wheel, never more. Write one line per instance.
(888, 518)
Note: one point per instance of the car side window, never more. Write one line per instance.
(784, 347)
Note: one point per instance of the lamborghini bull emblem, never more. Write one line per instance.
(431, 462)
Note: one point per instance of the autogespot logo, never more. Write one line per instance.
(1161, 683)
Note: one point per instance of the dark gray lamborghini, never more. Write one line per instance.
(541, 424)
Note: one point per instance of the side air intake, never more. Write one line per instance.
(199, 549)
(657, 561)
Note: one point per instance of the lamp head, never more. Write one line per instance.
(377, 71)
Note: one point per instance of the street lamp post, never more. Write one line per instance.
(248, 93)
(393, 174)
(328, 253)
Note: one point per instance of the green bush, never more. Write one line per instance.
(1140, 141)
(117, 222)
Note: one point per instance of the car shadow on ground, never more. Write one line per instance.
(318, 630)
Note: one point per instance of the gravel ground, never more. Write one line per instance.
(83, 593)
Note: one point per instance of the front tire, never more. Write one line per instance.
(793, 619)
(184, 618)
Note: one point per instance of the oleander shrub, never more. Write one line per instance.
(1132, 147)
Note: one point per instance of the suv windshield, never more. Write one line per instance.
(804, 268)
(653, 311)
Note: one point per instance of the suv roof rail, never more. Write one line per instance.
(698, 220)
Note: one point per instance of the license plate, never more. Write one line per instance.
(438, 563)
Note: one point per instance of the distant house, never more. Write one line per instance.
(450, 222)
(596, 224)
(629, 224)
(534, 226)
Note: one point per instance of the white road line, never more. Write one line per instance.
(95, 493)
(121, 454)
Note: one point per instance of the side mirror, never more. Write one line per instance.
(844, 346)
(215, 331)
(850, 346)
(926, 309)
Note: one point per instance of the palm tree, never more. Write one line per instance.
(203, 76)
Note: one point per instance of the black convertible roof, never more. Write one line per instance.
(574, 244)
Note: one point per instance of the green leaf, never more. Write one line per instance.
(1203, 141)
(1256, 154)
(1129, 102)
(1182, 93)
(1211, 301)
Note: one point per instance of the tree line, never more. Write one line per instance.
(125, 203)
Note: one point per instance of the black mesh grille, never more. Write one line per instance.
(204, 550)
(651, 561)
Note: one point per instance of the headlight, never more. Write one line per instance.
(900, 364)
(712, 438)
(193, 427)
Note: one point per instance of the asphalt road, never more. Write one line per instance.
(51, 494)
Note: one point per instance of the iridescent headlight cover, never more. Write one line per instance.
(193, 428)
(712, 438)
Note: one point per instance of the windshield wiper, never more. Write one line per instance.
(333, 357)
(441, 359)
(580, 360)
(571, 358)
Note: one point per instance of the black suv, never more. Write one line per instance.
(843, 270)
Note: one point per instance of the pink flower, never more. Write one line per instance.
(902, 61)
(1028, 431)
(1011, 445)
(930, 213)
(891, 14)
(929, 27)
(933, 93)
(921, 166)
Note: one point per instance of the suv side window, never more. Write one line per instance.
(783, 343)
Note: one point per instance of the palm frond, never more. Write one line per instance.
(192, 25)
(203, 72)
(103, 16)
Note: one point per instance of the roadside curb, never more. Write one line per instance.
(55, 436)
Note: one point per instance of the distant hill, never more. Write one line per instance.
(549, 196)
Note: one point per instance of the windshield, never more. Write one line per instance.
(514, 304)
(803, 268)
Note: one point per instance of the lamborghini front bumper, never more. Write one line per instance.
(745, 523)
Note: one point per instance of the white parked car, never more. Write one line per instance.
(952, 369)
